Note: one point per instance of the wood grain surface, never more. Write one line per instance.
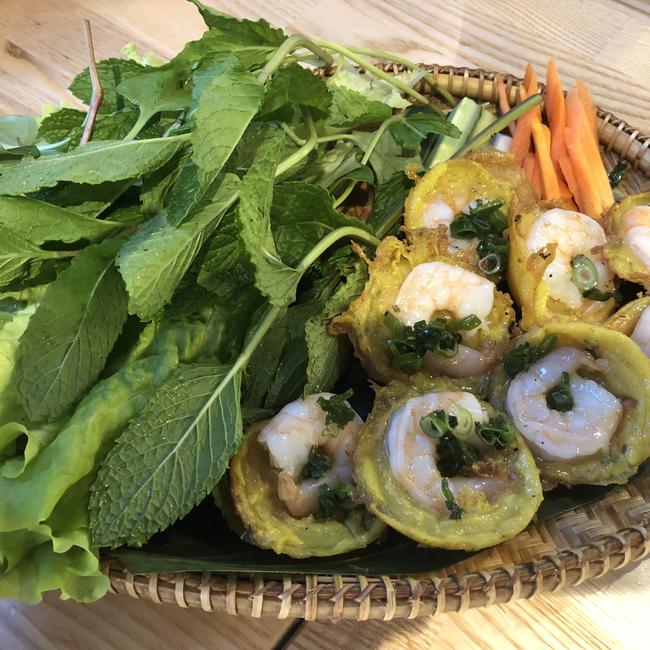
(604, 42)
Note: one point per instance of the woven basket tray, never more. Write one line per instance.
(585, 543)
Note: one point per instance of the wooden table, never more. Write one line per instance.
(606, 43)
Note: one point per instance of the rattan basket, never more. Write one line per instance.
(585, 543)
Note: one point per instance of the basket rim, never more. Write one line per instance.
(383, 597)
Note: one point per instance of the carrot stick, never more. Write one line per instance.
(530, 80)
(504, 104)
(588, 105)
(521, 140)
(542, 139)
(567, 171)
(532, 173)
(556, 112)
(579, 123)
(589, 199)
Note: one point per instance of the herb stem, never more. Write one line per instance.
(339, 136)
(332, 238)
(507, 118)
(292, 43)
(301, 153)
(378, 72)
(97, 94)
(394, 58)
(366, 156)
(292, 134)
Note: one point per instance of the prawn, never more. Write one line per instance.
(438, 286)
(412, 453)
(289, 437)
(572, 233)
(636, 232)
(584, 430)
(641, 333)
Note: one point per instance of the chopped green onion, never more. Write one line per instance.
(435, 424)
(464, 426)
(559, 398)
(597, 294)
(317, 464)
(332, 499)
(455, 511)
(408, 345)
(584, 273)
(339, 412)
(616, 175)
(497, 433)
(520, 358)
(467, 323)
(490, 264)
(463, 228)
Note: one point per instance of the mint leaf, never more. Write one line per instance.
(224, 110)
(82, 198)
(301, 215)
(409, 130)
(240, 31)
(155, 91)
(389, 202)
(337, 164)
(18, 256)
(169, 458)
(388, 157)
(155, 259)
(351, 109)
(57, 126)
(97, 162)
(225, 267)
(112, 72)
(41, 222)
(273, 277)
(253, 42)
(293, 84)
(328, 355)
(68, 339)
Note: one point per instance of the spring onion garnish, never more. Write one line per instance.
(597, 294)
(332, 499)
(559, 398)
(584, 273)
(497, 433)
(317, 464)
(408, 345)
(437, 423)
(616, 175)
(455, 511)
(519, 359)
(339, 412)
(450, 431)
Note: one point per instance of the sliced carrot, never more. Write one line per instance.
(542, 139)
(589, 199)
(567, 171)
(556, 112)
(504, 104)
(588, 105)
(532, 173)
(580, 124)
(530, 80)
(521, 140)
